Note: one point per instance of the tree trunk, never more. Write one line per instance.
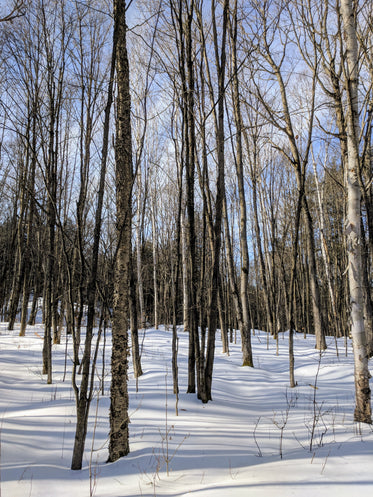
(352, 228)
(136, 359)
(219, 201)
(30, 222)
(183, 26)
(84, 396)
(20, 262)
(318, 322)
(155, 262)
(139, 238)
(231, 271)
(119, 420)
(247, 359)
(291, 318)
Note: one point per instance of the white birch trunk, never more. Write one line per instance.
(353, 232)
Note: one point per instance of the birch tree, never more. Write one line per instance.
(363, 411)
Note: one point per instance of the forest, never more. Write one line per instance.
(204, 164)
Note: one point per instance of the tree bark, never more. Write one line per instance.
(119, 420)
(363, 411)
(247, 359)
(206, 394)
(182, 16)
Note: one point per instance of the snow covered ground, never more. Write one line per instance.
(258, 437)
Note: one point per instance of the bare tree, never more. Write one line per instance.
(52, 29)
(296, 148)
(182, 14)
(124, 177)
(85, 391)
(363, 411)
(239, 163)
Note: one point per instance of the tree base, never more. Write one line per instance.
(248, 363)
(362, 418)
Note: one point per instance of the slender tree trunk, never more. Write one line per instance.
(49, 280)
(244, 278)
(38, 286)
(183, 25)
(231, 271)
(84, 396)
(326, 257)
(206, 395)
(20, 262)
(223, 320)
(363, 412)
(185, 274)
(263, 272)
(291, 317)
(119, 419)
(136, 359)
(30, 223)
(315, 290)
(155, 262)
(139, 237)
(368, 311)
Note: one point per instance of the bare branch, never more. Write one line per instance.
(18, 11)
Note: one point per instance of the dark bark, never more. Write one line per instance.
(119, 420)
(136, 359)
(182, 18)
(206, 395)
(247, 359)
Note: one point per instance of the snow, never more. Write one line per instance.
(258, 437)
